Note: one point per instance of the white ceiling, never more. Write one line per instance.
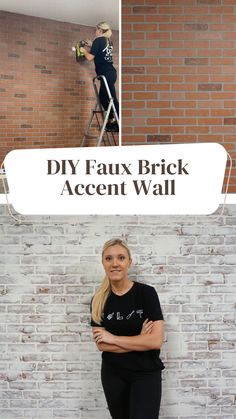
(83, 12)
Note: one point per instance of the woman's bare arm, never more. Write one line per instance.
(153, 340)
(88, 56)
(142, 342)
(108, 347)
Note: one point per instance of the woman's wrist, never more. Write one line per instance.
(115, 340)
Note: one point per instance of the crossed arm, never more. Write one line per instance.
(151, 337)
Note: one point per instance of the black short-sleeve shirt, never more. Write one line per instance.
(102, 49)
(124, 316)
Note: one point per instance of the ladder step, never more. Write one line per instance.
(90, 137)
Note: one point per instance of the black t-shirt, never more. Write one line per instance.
(102, 50)
(124, 316)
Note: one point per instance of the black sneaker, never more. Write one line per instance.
(112, 127)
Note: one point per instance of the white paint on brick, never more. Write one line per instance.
(49, 270)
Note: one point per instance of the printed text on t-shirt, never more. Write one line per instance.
(118, 315)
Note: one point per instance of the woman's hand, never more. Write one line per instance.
(147, 327)
(87, 54)
(88, 42)
(101, 335)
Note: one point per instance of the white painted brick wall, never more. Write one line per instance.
(49, 269)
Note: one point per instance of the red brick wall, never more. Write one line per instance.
(45, 95)
(179, 71)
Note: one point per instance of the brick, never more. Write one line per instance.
(144, 10)
(210, 86)
(229, 121)
(196, 27)
(158, 138)
(209, 2)
(133, 70)
(196, 61)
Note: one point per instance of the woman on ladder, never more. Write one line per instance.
(101, 51)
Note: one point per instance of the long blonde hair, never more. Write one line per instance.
(103, 292)
(105, 28)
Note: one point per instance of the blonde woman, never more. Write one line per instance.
(101, 52)
(127, 326)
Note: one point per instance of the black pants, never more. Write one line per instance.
(132, 396)
(111, 77)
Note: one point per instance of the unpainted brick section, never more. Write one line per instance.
(46, 96)
(49, 269)
(183, 52)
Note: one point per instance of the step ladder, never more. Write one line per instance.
(101, 116)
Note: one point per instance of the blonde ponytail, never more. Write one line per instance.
(99, 300)
(105, 28)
